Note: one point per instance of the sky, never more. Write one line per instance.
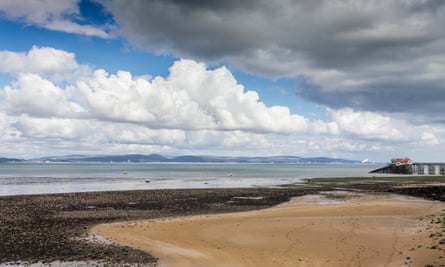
(352, 79)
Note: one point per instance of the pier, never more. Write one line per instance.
(428, 168)
(406, 166)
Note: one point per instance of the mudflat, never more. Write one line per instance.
(312, 230)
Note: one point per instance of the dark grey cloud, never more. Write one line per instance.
(199, 29)
(371, 55)
(400, 97)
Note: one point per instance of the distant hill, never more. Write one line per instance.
(197, 159)
(106, 158)
(7, 160)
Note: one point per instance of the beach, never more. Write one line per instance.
(363, 230)
(54, 228)
(60, 229)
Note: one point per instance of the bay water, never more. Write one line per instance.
(42, 178)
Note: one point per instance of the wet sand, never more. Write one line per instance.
(369, 230)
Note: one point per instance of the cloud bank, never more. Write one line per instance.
(376, 66)
(194, 108)
(191, 97)
(377, 56)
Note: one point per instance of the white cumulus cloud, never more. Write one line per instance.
(35, 96)
(430, 138)
(191, 97)
(193, 109)
(54, 64)
(366, 124)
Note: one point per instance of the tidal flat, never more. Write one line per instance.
(44, 229)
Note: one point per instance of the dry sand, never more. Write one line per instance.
(369, 230)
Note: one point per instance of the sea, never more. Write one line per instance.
(44, 178)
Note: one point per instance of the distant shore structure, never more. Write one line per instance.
(407, 166)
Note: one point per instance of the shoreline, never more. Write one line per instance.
(44, 229)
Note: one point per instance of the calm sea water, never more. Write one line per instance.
(38, 178)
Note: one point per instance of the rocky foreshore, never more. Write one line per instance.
(54, 228)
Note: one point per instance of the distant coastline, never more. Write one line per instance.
(9, 160)
(187, 159)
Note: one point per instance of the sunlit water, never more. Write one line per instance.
(38, 178)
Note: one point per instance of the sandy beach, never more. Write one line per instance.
(362, 230)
